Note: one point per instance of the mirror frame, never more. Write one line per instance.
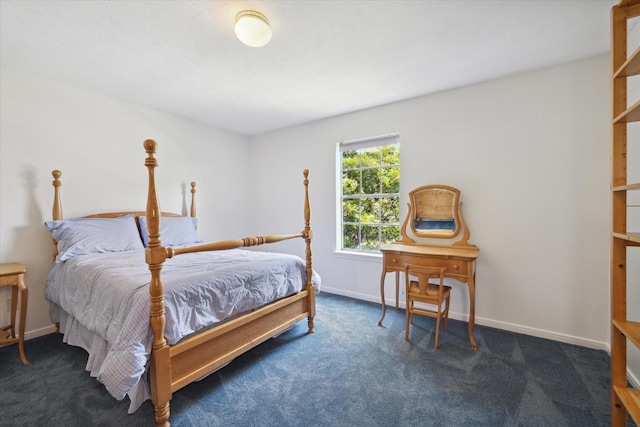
(461, 225)
(417, 202)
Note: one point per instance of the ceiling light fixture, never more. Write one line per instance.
(252, 28)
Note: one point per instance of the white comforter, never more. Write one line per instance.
(102, 303)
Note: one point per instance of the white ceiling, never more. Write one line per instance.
(326, 57)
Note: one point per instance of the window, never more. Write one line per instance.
(368, 193)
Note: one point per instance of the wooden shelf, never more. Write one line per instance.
(630, 237)
(627, 187)
(625, 401)
(630, 398)
(623, 3)
(631, 114)
(630, 329)
(631, 67)
(632, 6)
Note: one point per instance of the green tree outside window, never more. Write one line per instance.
(370, 197)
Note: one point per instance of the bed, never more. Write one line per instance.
(156, 308)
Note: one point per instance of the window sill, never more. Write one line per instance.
(361, 256)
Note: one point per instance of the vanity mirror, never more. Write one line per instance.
(434, 211)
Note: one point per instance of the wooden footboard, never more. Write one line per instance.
(173, 367)
(204, 353)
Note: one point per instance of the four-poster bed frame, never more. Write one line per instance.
(172, 367)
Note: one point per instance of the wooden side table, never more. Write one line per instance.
(12, 274)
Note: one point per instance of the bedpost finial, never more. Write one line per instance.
(56, 178)
(57, 204)
(150, 146)
(305, 173)
(193, 200)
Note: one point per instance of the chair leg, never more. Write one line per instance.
(406, 323)
(446, 315)
(435, 343)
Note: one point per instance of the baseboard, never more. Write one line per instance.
(37, 333)
(569, 339)
(40, 332)
(633, 380)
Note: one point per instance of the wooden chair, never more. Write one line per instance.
(427, 293)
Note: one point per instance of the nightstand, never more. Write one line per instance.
(12, 274)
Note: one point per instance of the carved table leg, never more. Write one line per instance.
(384, 307)
(472, 305)
(24, 295)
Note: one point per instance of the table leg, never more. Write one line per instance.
(397, 289)
(384, 306)
(24, 291)
(14, 309)
(472, 305)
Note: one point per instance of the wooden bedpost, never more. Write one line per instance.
(193, 199)
(56, 213)
(155, 255)
(308, 235)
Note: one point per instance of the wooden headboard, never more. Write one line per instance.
(57, 207)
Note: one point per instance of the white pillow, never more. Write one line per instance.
(82, 236)
(174, 230)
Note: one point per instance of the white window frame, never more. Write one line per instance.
(389, 139)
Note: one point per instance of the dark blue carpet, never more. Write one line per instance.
(351, 372)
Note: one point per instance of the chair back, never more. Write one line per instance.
(424, 274)
(422, 291)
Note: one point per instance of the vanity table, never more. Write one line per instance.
(434, 212)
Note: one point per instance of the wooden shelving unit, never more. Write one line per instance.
(625, 400)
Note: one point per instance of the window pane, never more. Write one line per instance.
(390, 178)
(389, 235)
(350, 159)
(390, 210)
(390, 155)
(371, 157)
(370, 210)
(369, 238)
(351, 182)
(371, 181)
(350, 211)
(351, 237)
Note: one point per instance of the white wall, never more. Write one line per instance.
(530, 154)
(96, 141)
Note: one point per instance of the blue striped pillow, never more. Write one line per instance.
(82, 236)
(174, 230)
